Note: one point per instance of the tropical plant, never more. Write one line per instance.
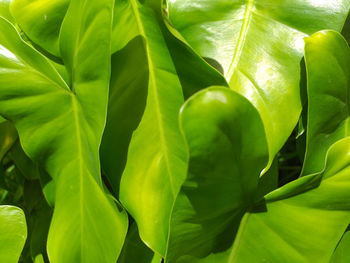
(174, 131)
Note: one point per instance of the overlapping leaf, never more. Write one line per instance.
(300, 222)
(328, 96)
(60, 125)
(155, 166)
(259, 44)
(13, 233)
(41, 20)
(228, 150)
(143, 110)
(297, 224)
(154, 95)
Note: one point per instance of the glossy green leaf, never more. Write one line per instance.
(45, 30)
(328, 96)
(300, 222)
(228, 151)
(85, 49)
(66, 139)
(193, 72)
(259, 44)
(41, 21)
(13, 233)
(143, 109)
(297, 224)
(155, 166)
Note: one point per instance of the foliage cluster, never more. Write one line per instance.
(174, 131)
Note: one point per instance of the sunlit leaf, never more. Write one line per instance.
(328, 96)
(65, 139)
(259, 45)
(13, 233)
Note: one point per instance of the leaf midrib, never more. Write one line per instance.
(152, 84)
(242, 37)
(75, 108)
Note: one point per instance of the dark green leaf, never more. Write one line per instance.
(228, 151)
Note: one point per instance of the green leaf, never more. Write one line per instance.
(127, 101)
(193, 72)
(259, 45)
(228, 151)
(13, 233)
(298, 224)
(41, 21)
(60, 125)
(328, 96)
(342, 252)
(155, 166)
(143, 109)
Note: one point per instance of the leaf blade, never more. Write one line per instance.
(13, 231)
(328, 96)
(220, 172)
(65, 141)
(267, 32)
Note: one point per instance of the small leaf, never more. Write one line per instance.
(13, 233)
